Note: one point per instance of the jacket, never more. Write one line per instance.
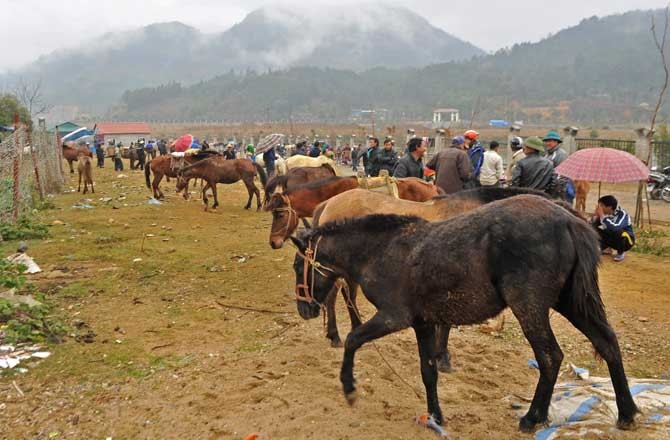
(269, 158)
(476, 155)
(387, 160)
(557, 155)
(492, 169)
(373, 165)
(409, 167)
(516, 157)
(452, 168)
(535, 172)
(618, 221)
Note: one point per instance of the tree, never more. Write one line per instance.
(30, 95)
(9, 106)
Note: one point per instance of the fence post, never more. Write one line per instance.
(33, 155)
(59, 154)
(17, 147)
(642, 146)
(569, 142)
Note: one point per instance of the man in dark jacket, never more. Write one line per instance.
(229, 154)
(387, 157)
(269, 157)
(370, 159)
(452, 167)
(300, 149)
(614, 226)
(534, 171)
(411, 164)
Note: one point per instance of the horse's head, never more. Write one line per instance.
(313, 281)
(284, 219)
(182, 182)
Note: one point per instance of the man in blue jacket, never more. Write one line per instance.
(614, 227)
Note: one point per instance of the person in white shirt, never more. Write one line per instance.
(517, 146)
(492, 166)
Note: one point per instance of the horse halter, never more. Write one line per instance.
(291, 213)
(304, 292)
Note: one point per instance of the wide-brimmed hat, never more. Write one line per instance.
(552, 135)
(535, 143)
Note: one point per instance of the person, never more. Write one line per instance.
(269, 158)
(614, 227)
(300, 149)
(355, 157)
(91, 148)
(492, 166)
(205, 145)
(229, 154)
(476, 155)
(150, 149)
(517, 147)
(411, 164)
(452, 167)
(118, 163)
(534, 171)
(251, 153)
(346, 154)
(315, 150)
(372, 155)
(552, 144)
(387, 157)
(162, 147)
(139, 151)
(99, 154)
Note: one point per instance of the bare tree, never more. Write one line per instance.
(30, 95)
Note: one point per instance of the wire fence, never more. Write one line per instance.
(30, 170)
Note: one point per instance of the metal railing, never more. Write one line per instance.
(660, 155)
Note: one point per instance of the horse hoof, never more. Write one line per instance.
(627, 424)
(336, 343)
(351, 397)
(526, 424)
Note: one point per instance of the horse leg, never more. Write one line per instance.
(71, 168)
(605, 342)
(79, 187)
(442, 348)
(92, 189)
(214, 194)
(331, 325)
(425, 338)
(537, 329)
(250, 190)
(349, 292)
(381, 324)
(204, 191)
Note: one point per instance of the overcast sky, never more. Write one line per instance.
(29, 28)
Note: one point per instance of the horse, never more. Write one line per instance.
(85, 170)
(297, 203)
(582, 188)
(306, 161)
(280, 164)
(72, 153)
(219, 170)
(163, 166)
(297, 176)
(418, 274)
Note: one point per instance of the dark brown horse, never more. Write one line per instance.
(164, 166)
(219, 170)
(419, 274)
(297, 176)
(72, 153)
(85, 170)
(301, 201)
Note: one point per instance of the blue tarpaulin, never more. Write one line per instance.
(78, 133)
(498, 123)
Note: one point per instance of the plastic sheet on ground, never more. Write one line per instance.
(11, 356)
(587, 406)
(21, 258)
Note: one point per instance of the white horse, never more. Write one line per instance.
(280, 164)
(306, 161)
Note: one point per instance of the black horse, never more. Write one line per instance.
(464, 271)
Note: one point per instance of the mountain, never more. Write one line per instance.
(269, 38)
(602, 69)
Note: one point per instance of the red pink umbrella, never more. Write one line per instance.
(183, 143)
(603, 165)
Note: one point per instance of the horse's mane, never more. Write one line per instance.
(368, 223)
(273, 184)
(315, 184)
(490, 194)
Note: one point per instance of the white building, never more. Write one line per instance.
(445, 116)
(125, 132)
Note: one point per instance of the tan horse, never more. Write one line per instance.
(85, 170)
(71, 153)
(305, 161)
(582, 188)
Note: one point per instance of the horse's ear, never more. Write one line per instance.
(298, 243)
(306, 223)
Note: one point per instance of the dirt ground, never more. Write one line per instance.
(201, 338)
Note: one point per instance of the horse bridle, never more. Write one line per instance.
(291, 212)
(303, 292)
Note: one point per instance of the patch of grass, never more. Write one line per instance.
(21, 323)
(26, 227)
(652, 242)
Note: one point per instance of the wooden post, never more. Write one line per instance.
(17, 147)
(33, 155)
(59, 153)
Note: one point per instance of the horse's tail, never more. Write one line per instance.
(147, 174)
(273, 183)
(584, 292)
(261, 173)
